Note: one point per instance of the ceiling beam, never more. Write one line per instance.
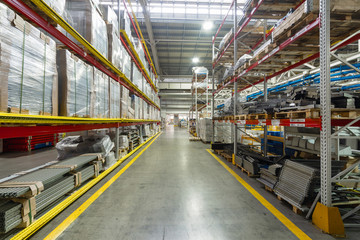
(149, 30)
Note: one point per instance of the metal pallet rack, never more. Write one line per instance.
(21, 125)
(248, 77)
(51, 124)
(200, 76)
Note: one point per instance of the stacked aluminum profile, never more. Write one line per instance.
(296, 182)
(58, 180)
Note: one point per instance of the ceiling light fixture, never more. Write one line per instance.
(195, 60)
(207, 25)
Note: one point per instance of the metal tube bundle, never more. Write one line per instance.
(57, 180)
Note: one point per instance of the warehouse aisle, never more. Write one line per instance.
(177, 190)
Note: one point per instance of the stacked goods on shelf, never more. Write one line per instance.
(75, 145)
(240, 62)
(223, 132)
(225, 40)
(28, 75)
(137, 78)
(300, 180)
(134, 138)
(126, 64)
(29, 143)
(75, 85)
(23, 198)
(111, 18)
(101, 95)
(269, 177)
(124, 102)
(87, 20)
(115, 94)
(115, 47)
(125, 23)
(205, 129)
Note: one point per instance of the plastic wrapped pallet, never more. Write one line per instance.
(126, 64)
(205, 128)
(114, 99)
(115, 48)
(101, 102)
(137, 78)
(75, 85)
(28, 75)
(125, 23)
(124, 102)
(57, 5)
(87, 21)
(111, 18)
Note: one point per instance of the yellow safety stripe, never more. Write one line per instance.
(281, 217)
(59, 20)
(39, 223)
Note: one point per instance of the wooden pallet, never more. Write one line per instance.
(217, 151)
(343, 113)
(258, 116)
(269, 189)
(308, 113)
(248, 173)
(226, 156)
(240, 117)
(294, 208)
(194, 138)
(229, 117)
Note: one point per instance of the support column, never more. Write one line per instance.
(327, 218)
(212, 95)
(325, 102)
(235, 82)
(265, 127)
(117, 143)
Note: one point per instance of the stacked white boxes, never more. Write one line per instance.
(101, 95)
(115, 99)
(205, 129)
(87, 21)
(28, 75)
(75, 85)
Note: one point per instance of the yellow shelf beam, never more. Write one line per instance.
(40, 119)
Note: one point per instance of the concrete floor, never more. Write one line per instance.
(177, 190)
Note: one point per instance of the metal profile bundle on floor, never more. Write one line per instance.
(57, 180)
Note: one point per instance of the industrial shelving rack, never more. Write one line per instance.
(38, 13)
(263, 69)
(56, 124)
(200, 76)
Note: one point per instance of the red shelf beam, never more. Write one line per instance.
(311, 123)
(21, 131)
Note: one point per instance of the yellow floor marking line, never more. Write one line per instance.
(39, 223)
(74, 215)
(290, 225)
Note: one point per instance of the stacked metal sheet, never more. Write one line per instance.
(269, 177)
(57, 179)
(296, 182)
